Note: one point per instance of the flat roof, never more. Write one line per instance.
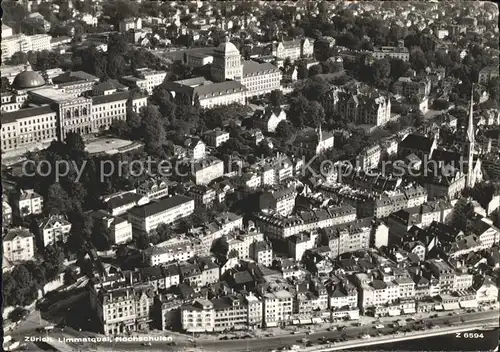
(53, 94)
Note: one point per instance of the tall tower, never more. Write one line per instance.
(227, 63)
(470, 143)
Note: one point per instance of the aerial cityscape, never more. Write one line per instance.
(250, 175)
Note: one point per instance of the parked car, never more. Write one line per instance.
(379, 326)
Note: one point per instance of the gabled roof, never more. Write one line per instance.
(17, 232)
(159, 206)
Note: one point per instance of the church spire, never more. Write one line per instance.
(470, 127)
(470, 140)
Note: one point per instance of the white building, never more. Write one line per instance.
(153, 188)
(277, 307)
(29, 203)
(120, 229)
(54, 229)
(24, 43)
(215, 138)
(174, 250)
(19, 245)
(168, 210)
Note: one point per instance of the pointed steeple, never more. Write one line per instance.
(470, 127)
(470, 140)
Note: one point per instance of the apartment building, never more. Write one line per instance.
(486, 74)
(398, 52)
(119, 204)
(342, 295)
(24, 43)
(6, 214)
(202, 195)
(145, 79)
(29, 203)
(205, 170)
(349, 237)
(54, 229)
(18, 245)
(262, 253)
(369, 158)
(268, 119)
(488, 234)
(370, 108)
(443, 272)
(310, 142)
(462, 281)
(411, 86)
(195, 147)
(300, 243)
(293, 49)
(147, 217)
(122, 309)
(281, 200)
(277, 307)
(280, 226)
(242, 243)
(198, 316)
(174, 250)
(216, 137)
(120, 229)
(153, 188)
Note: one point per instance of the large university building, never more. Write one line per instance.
(50, 114)
(233, 79)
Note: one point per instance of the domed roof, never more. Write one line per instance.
(28, 79)
(228, 48)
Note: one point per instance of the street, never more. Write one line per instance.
(212, 343)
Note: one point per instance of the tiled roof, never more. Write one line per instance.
(159, 206)
(251, 67)
(17, 232)
(24, 113)
(110, 98)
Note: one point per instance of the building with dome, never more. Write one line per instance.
(28, 80)
(35, 113)
(233, 80)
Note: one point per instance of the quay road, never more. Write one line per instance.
(391, 339)
(278, 341)
(254, 344)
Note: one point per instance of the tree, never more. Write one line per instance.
(19, 287)
(153, 130)
(398, 68)
(298, 111)
(101, 236)
(5, 85)
(74, 143)
(418, 59)
(18, 58)
(277, 98)
(70, 277)
(284, 130)
(17, 314)
(315, 113)
(57, 201)
(164, 232)
(302, 72)
(315, 70)
(142, 241)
